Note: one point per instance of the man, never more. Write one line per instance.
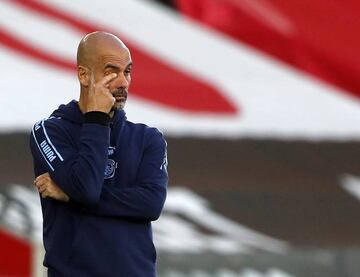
(102, 178)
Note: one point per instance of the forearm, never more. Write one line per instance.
(144, 202)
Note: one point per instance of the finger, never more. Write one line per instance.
(38, 178)
(108, 78)
(42, 176)
(40, 182)
(42, 189)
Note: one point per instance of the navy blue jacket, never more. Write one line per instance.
(116, 178)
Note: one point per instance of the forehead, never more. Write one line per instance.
(120, 57)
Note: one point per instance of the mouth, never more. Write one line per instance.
(120, 96)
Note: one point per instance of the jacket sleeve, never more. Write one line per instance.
(145, 200)
(77, 169)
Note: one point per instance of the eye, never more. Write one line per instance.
(128, 71)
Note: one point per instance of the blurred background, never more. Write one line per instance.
(258, 100)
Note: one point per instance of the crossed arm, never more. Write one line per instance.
(143, 202)
(76, 174)
(71, 181)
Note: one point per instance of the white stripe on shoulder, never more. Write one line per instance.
(37, 144)
(49, 141)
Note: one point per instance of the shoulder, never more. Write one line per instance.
(45, 137)
(150, 134)
(51, 124)
(51, 129)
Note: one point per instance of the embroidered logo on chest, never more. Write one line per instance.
(111, 164)
(110, 169)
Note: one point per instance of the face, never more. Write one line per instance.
(119, 62)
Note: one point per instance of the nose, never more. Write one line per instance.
(121, 81)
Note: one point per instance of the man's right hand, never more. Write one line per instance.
(99, 97)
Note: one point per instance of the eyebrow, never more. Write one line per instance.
(113, 66)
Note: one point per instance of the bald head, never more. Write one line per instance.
(101, 54)
(95, 44)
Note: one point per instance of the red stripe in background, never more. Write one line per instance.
(153, 80)
(15, 256)
(21, 46)
(324, 42)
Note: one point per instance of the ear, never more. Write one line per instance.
(83, 75)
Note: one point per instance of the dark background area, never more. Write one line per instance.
(290, 190)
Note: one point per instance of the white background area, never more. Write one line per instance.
(274, 100)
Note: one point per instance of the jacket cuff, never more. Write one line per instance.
(97, 117)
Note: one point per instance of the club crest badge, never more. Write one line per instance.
(110, 169)
(111, 150)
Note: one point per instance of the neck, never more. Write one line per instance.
(83, 99)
